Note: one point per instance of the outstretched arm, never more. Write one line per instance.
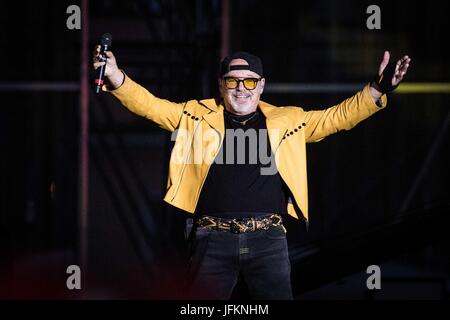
(137, 99)
(360, 106)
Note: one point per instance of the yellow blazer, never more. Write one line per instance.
(199, 129)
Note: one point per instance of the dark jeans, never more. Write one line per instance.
(261, 258)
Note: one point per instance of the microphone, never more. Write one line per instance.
(105, 44)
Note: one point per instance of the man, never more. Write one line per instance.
(238, 200)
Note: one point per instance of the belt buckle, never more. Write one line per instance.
(234, 227)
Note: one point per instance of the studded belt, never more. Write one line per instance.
(240, 225)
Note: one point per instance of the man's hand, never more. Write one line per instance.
(401, 68)
(113, 74)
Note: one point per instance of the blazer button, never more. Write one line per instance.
(304, 124)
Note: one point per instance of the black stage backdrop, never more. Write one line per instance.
(378, 194)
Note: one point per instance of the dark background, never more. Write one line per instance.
(378, 194)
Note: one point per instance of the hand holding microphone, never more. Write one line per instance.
(106, 66)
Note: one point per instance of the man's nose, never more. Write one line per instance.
(240, 86)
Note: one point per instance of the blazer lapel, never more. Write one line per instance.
(275, 122)
(215, 117)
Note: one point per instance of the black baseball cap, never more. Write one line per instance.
(254, 63)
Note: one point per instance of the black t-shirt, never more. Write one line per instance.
(243, 180)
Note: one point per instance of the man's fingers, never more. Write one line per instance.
(105, 58)
(386, 58)
(96, 54)
(397, 67)
(98, 64)
(403, 65)
(401, 69)
(96, 50)
(101, 57)
(98, 58)
(384, 62)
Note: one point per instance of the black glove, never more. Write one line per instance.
(383, 83)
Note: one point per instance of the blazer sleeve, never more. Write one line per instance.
(140, 101)
(343, 116)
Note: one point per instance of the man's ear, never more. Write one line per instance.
(263, 82)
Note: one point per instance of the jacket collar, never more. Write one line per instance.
(269, 111)
(212, 104)
(276, 123)
(275, 119)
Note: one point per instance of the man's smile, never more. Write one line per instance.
(241, 97)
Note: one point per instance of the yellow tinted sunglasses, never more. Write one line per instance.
(233, 83)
